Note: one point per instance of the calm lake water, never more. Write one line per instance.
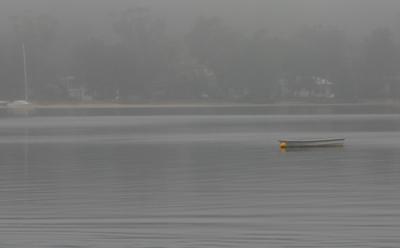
(198, 181)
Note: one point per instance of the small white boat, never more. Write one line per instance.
(20, 108)
(19, 103)
(286, 143)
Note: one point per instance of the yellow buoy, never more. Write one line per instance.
(283, 145)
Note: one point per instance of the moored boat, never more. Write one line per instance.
(286, 143)
(20, 108)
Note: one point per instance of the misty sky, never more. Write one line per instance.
(277, 16)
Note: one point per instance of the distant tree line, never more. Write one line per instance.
(212, 61)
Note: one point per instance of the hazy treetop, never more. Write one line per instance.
(219, 48)
(277, 16)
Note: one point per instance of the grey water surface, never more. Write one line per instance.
(198, 181)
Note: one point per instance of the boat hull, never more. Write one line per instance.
(312, 143)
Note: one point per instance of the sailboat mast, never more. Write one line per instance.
(25, 73)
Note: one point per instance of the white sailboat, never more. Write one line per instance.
(22, 106)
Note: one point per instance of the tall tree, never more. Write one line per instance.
(38, 34)
(378, 64)
(215, 46)
(320, 52)
(146, 45)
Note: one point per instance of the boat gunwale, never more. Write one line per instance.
(312, 141)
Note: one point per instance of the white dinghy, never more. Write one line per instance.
(298, 143)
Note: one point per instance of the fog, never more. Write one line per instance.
(217, 37)
(277, 15)
(199, 123)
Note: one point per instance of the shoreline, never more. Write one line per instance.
(204, 105)
(113, 109)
